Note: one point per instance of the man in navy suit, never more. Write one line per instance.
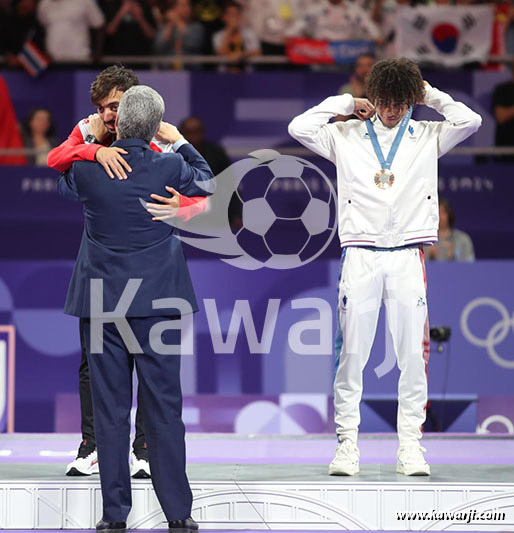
(130, 286)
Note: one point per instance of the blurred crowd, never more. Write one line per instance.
(75, 31)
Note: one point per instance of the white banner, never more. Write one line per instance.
(445, 35)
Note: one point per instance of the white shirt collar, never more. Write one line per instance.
(377, 122)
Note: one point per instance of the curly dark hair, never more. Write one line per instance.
(113, 77)
(395, 81)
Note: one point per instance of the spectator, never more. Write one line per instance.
(373, 8)
(130, 28)
(453, 244)
(209, 13)
(503, 109)
(337, 20)
(10, 136)
(178, 35)
(388, 22)
(502, 13)
(158, 7)
(19, 26)
(193, 130)
(235, 41)
(39, 133)
(355, 86)
(362, 68)
(274, 21)
(67, 24)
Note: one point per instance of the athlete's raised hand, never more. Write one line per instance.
(363, 108)
(425, 83)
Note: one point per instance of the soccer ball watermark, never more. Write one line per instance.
(289, 213)
(287, 222)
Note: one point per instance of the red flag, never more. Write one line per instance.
(10, 136)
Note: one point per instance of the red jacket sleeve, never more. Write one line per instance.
(72, 149)
(190, 206)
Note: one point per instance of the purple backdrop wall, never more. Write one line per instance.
(481, 361)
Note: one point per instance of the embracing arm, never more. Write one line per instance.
(72, 149)
(177, 206)
(193, 170)
(459, 120)
(193, 167)
(196, 177)
(189, 207)
(185, 207)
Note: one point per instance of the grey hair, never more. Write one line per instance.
(140, 113)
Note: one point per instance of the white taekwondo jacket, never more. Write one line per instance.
(407, 212)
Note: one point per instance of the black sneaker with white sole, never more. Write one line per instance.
(86, 462)
(139, 465)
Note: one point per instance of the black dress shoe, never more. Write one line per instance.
(183, 526)
(111, 527)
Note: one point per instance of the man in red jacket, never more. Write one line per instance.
(90, 140)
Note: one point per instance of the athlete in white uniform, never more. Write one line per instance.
(387, 208)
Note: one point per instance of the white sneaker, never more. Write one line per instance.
(86, 462)
(411, 461)
(139, 465)
(346, 460)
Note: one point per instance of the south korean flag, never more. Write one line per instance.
(450, 36)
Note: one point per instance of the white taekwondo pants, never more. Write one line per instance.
(398, 278)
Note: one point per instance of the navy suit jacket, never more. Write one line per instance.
(120, 240)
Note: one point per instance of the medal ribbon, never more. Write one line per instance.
(386, 163)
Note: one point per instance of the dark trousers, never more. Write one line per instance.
(111, 389)
(86, 404)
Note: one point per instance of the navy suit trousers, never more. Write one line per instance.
(111, 389)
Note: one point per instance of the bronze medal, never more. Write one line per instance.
(384, 179)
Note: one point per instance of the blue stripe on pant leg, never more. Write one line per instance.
(338, 340)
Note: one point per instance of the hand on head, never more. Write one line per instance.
(425, 83)
(363, 108)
